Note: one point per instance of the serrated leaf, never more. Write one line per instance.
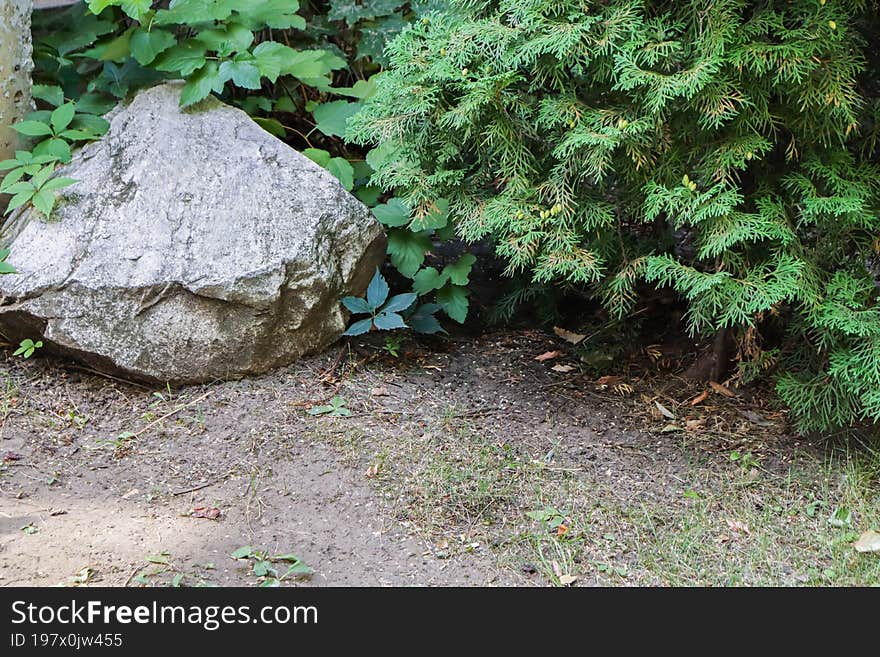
(342, 169)
(44, 201)
(56, 148)
(244, 74)
(389, 321)
(184, 58)
(360, 327)
(58, 183)
(407, 250)
(234, 38)
(52, 94)
(199, 86)
(331, 117)
(273, 58)
(400, 302)
(429, 279)
(377, 290)
(460, 271)
(32, 129)
(277, 14)
(424, 321)
(146, 45)
(18, 200)
(394, 213)
(454, 300)
(243, 552)
(433, 218)
(357, 305)
(318, 156)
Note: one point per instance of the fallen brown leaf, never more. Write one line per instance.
(869, 541)
(607, 380)
(739, 526)
(721, 390)
(665, 412)
(548, 355)
(562, 368)
(700, 398)
(561, 530)
(568, 336)
(381, 391)
(211, 513)
(567, 580)
(695, 425)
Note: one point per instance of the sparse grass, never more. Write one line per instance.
(745, 524)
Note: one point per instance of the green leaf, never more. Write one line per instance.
(394, 213)
(277, 14)
(429, 279)
(436, 217)
(377, 290)
(407, 250)
(58, 183)
(77, 135)
(389, 321)
(400, 302)
(136, 8)
(184, 58)
(234, 38)
(454, 300)
(263, 568)
(18, 200)
(146, 45)
(343, 171)
(94, 124)
(357, 305)
(360, 327)
(243, 74)
(196, 12)
(362, 89)
(318, 156)
(460, 271)
(44, 201)
(273, 58)
(62, 116)
(115, 50)
(52, 94)
(32, 128)
(272, 126)
(199, 86)
(424, 321)
(57, 148)
(298, 569)
(331, 117)
(243, 552)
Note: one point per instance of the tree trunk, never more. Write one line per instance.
(15, 71)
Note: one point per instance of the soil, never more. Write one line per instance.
(102, 481)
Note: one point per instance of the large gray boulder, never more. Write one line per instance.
(194, 246)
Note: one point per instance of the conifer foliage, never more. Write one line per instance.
(586, 137)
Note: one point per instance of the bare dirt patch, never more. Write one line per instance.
(455, 463)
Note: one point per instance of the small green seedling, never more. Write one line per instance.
(27, 347)
(336, 408)
(264, 566)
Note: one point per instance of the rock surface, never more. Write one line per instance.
(194, 246)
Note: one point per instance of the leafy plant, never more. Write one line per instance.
(27, 347)
(264, 565)
(336, 408)
(726, 150)
(385, 314)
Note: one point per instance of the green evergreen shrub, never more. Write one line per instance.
(586, 138)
